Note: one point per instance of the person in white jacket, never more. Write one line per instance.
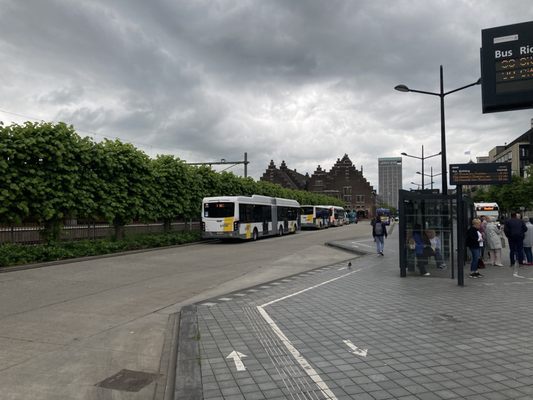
(493, 235)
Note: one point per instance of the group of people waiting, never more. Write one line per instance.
(485, 237)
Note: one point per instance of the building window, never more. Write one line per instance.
(347, 198)
(347, 190)
(359, 198)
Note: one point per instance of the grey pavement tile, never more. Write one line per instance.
(415, 351)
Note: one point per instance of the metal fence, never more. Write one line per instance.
(30, 233)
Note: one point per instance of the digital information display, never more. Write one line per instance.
(507, 67)
(480, 174)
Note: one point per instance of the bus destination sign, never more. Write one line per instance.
(480, 174)
(507, 67)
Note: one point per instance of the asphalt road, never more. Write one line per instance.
(66, 331)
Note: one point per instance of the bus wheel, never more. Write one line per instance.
(255, 235)
(280, 231)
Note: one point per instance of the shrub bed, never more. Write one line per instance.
(17, 254)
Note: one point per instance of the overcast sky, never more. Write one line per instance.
(304, 81)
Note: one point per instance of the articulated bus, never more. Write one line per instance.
(241, 217)
(319, 217)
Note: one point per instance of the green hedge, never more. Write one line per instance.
(48, 173)
(18, 254)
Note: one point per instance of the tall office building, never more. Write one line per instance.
(390, 179)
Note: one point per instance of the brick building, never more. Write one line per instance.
(343, 181)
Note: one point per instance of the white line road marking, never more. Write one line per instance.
(355, 350)
(309, 288)
(310, 371)
(237, 360)
(362, 244)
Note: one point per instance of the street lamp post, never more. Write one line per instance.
(431, 175)
(441, 94)
(422, 158)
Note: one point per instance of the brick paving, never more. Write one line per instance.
(365, 333)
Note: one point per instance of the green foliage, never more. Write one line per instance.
(125, 181)
(18, 254)
(40, 165)
(510, 197)
(48, 174)
(173, 181)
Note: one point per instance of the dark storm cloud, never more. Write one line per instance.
(304, 81)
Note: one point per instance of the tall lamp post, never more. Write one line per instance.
(431, 175)
(441, 94)
(422, 158)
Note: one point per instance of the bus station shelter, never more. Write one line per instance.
(436, 215)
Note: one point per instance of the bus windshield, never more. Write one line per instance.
(219, 210)
(384, 215)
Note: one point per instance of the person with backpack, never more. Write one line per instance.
(379, 232)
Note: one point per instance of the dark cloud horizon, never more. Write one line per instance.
(301, 81)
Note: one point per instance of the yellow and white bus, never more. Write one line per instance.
(242, 217)
(315, 217)
(319, 217)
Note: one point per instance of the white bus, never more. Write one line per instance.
(337, 216)
(321, 216)
(241, 217)
(316, 217)
(486, 209)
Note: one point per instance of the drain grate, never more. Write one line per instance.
(128, 380)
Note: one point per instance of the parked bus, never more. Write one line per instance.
(384, 215)
(241, 217)
(486, 209)
(337, 216)
(316, 217)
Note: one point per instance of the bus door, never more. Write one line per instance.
(274, 217)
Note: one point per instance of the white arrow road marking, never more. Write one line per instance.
(237, 360)
(355, 350)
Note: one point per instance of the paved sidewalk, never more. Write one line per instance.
(362, 332)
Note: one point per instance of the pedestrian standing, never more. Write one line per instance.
(482, 227)
(528, 240)
(379, 232)
(423, 250)
(515, 229)
(494, 238)
(474, 241)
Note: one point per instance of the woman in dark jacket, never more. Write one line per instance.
(474, 241)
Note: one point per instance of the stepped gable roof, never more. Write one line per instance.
(285, 177)
(299, 179)
(319, 171)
